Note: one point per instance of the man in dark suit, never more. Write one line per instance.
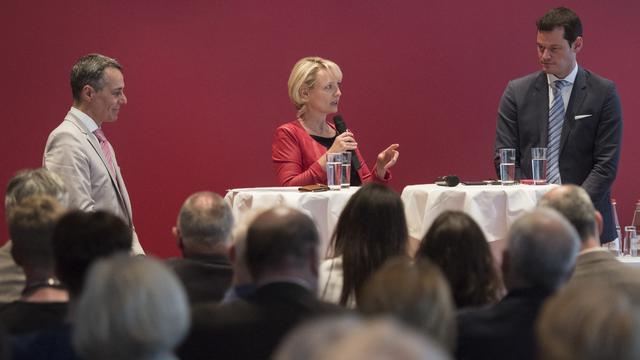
(282, 257)
(540, 255)
(203, 233)
(582, 132)
(593, 262)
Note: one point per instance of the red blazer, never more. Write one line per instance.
(295, 157)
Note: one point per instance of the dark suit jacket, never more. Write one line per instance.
(589, 145)
(502, 331)
(250, 328)
(205, 278)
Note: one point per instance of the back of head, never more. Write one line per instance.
(31, 182)
(561, 17)
(31, 224)
(416, 293)
(303, 76)
(131, 308)
(371, 229)
(589, 320)
(89, 70)
(384, 339)
(541, 251)
(205, 220)
(575, 205)
(80, 238)
(311, 339)
(456, 243)
(280, 239)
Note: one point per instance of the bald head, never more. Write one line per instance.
(575, 205)
(541, 251)
(280, 239)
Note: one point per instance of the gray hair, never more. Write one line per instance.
(542, 248)
(30, 182)
(89, 70)
(385, 339)
(205, 218)
(575, 205)
(131, 308)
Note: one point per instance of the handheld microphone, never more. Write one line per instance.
(341, 127)
(448, 180)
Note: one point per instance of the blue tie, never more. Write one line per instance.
(556, 118)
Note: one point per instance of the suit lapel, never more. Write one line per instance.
(93, 141)
(541, 99)
(578, 94)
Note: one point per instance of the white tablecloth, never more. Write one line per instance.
(323, 207)
(493, 207)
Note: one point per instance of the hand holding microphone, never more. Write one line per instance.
(347, 141)
(343, 142)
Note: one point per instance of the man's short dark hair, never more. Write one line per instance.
(82, 237)
(89, 70)
(278, 238)
(561, 17)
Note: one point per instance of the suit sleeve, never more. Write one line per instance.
(287, 155)
(64, 156)
(507, 128)
(606, 152)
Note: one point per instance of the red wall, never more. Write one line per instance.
(206, 83)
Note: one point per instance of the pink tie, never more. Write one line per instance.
(106, 149)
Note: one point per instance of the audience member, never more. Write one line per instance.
(371, 229)
(589, 321)
(79, 239)
(414, 292)
(44, 300)
(132, 308)
(593, 261)
(203, 234)
(457, 245)
(24, 184)
(540, 255)
(384, 339)
(282, 257)
(241, 282)
(310, 340)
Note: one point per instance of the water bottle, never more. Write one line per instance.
(636, 216)
(616, 246)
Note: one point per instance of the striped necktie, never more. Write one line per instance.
(556, 118)
(106, 150)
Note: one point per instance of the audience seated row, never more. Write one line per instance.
(255, 289)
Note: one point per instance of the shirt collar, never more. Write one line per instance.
(571, 78)
(86, 119)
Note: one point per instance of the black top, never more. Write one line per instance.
(21, 317)
(328, 142)
(205, 277)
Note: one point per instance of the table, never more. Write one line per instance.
(493, 207)
(323, 207)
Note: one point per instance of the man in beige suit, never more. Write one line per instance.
(78, 151)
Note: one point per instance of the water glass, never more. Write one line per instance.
(334, 170)
(539, 165)
(507, 166)
(346, 169)
(630, 241)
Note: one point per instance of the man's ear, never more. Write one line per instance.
(176, 232)
(577, 44)
(599, 222)
(87, 93)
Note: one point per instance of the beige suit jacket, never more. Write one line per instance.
(75, 154)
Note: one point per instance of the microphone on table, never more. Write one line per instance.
(341, 127)
(448, 180)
